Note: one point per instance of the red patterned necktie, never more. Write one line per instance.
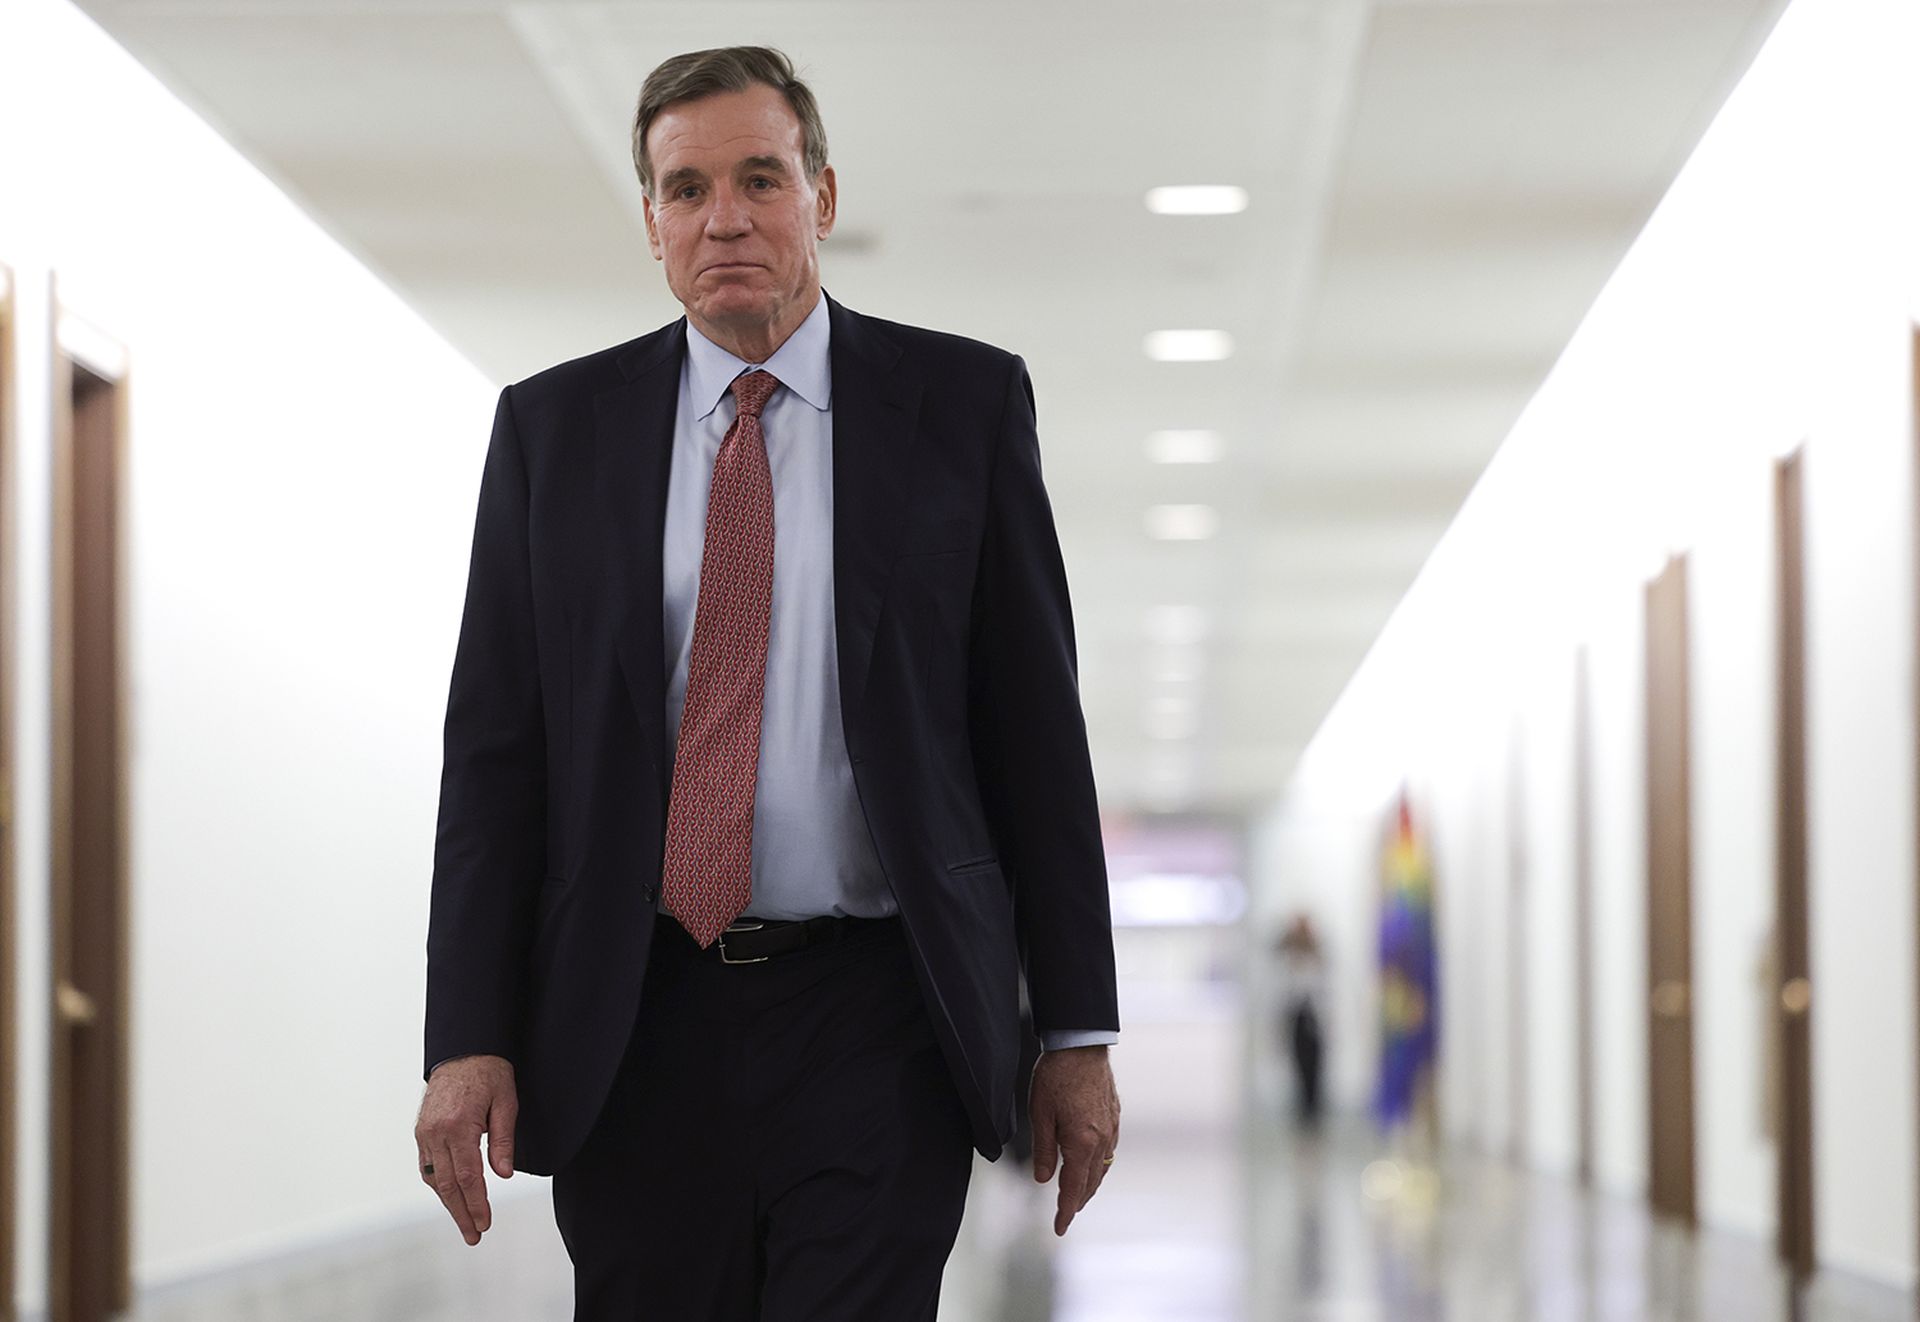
(706, 876)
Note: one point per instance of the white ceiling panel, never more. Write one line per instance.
(1438, 189)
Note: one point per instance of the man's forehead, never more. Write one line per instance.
(726, 126)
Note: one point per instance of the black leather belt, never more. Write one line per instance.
(751, 940)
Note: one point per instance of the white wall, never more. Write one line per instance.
(1734, 698)
(1481, 1012)
(1861, 788)
(1770, 302)
(1546, 790)
(1617, 696)
(304, 458)
(1471, 1074)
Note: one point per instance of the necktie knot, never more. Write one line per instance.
(752, 390)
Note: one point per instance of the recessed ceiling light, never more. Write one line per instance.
(1175, 665)
(1182, 523)
(1189, 346)
(1184, 447)
(1197, 200)
(1170, 725)
(1177, 623)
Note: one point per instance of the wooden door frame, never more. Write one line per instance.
(9, 674)
(1792, 987)
(75, 345)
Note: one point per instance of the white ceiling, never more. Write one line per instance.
(1439, 189)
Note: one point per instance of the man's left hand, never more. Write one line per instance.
(1075, 1111)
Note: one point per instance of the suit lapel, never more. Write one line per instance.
(876, 402)
(632, 454)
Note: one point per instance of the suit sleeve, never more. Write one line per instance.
(490, 845)
(1030, 740)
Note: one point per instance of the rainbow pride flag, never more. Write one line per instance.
(1409, 1026)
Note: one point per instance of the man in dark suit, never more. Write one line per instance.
(745, 840)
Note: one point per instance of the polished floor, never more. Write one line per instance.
(1253, 1223)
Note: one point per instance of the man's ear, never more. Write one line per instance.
(653, 230)
(826, 202)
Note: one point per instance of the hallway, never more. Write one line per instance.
(1322, 1231)
(1482, 443)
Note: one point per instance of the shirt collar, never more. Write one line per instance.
(800, 362)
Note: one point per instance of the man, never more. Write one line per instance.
(765, 775)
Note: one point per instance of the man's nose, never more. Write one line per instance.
(728, 219)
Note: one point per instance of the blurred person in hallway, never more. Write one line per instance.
(765, 775)
(1303, 977)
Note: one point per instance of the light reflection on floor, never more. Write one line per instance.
(1194, 1226)
(1344, 1232)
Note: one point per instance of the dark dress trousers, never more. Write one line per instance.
(959, 700)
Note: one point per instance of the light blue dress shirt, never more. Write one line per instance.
(811, 853)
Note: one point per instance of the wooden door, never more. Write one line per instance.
(1670, 1163)
(1794, 989)
(89, 1278)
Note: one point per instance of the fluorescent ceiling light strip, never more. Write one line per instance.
(1189, 346)
(1171, 725)
(1188, 446)
(1182, 523)
(1175, 670)
(1177, 623)
(1197, 200)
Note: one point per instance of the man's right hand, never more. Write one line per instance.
(466, 1097)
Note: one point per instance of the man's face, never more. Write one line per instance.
(732, 215)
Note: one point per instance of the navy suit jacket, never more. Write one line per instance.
(959, 697)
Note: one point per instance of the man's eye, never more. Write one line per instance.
(686, 191)
(762, 179)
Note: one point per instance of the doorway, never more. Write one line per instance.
(1670, 1133)
(1793, 990)
(89, 1276)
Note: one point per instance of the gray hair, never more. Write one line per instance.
(726, 69)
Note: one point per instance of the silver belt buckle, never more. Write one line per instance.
(721, 941)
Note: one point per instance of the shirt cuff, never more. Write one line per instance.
(1057, 1039)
